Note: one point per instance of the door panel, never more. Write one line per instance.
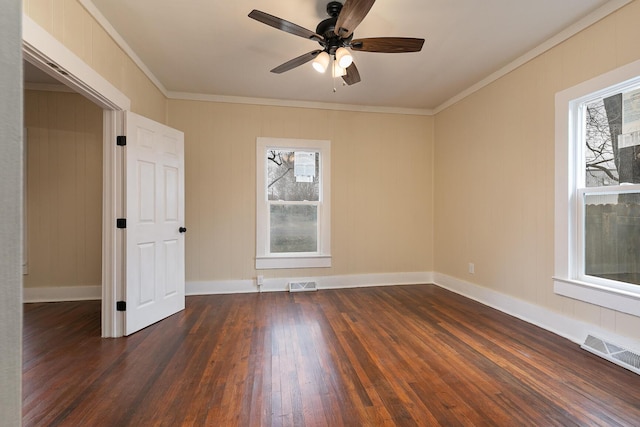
(155, 212)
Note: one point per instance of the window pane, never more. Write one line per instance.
(293, 179)
(294, 228)
(600, 163)
(612, 140)
(612, 237)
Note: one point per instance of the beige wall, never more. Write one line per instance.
(381, 187)
(64, 189)
(494, 172)
(72, 25)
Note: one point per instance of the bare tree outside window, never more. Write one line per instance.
(282, 183)
(600, 158)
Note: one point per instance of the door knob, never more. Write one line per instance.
(182, 230)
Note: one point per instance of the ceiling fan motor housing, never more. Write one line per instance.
(326, 29)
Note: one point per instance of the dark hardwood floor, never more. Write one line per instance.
(405, 355)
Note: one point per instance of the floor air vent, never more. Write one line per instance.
(302, 286)
(613, 353)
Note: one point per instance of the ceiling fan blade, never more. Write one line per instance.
(296, 62)
(286, 26)
(353, 76)
(388, 44)
(352, 13)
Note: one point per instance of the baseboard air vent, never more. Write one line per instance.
(613, 353)
(302, 286)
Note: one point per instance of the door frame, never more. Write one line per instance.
(45, 52)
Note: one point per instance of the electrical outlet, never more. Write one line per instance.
(260, 280)
(472, 268)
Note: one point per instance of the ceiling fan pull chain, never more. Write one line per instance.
(333, 74)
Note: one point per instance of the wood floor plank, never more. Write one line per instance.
(390, 356)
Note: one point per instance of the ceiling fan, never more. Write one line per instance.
(335, 36)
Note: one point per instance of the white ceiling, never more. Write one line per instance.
(211, 47)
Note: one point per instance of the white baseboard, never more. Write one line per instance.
(214, 287)
(324, 282)
(62, 293)
(564, 326)
(567, 327)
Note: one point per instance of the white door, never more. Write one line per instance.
(155, 222)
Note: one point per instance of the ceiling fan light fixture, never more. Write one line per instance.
(321, 62)
(343, 58)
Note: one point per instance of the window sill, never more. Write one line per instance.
(273, 262)
(615, 299)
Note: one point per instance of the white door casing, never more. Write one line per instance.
(48, 54)
(155, 274)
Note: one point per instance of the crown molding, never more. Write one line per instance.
(297, 104)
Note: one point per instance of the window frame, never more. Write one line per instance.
(322, 257)
(569, 279)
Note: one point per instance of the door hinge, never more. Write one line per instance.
(121, 223)
(121, 140)
(121, 306)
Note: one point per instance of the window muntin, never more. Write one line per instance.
(293, 203)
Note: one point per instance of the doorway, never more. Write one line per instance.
(48, 55)
(63, 181)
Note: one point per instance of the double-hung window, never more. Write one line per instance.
(293, 203)
(597, 212)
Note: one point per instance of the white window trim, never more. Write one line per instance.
(567, 280)
(322, 258)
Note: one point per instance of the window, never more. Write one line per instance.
(293, 203)
(597, 212)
